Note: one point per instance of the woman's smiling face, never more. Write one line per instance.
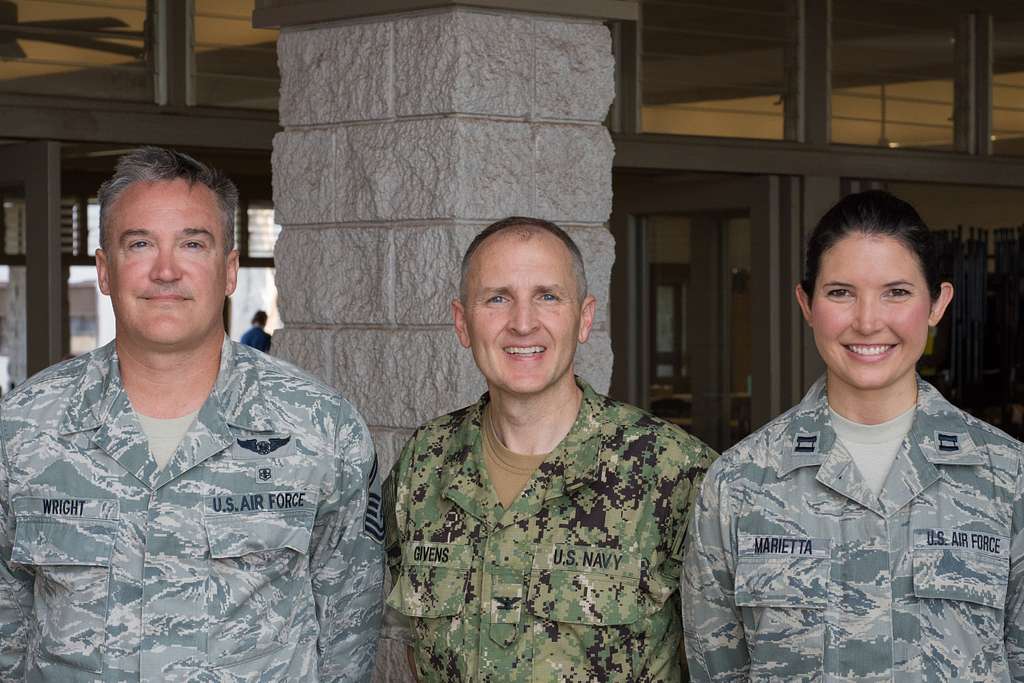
(870, 312)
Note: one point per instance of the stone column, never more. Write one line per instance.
(404, 135)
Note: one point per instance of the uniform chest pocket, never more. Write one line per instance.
(782, 588)
(962, 592)
(585, 601)
(259, 582)
(67, 544)
(432, 589)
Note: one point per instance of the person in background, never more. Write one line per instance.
(874, 532)
(175, 506)
(537, 535)
(256, 336)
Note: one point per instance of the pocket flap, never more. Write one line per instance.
(800, 583)
(429, 592)
(64, 531)
(262, 526)
(582, 598)
(961, 575)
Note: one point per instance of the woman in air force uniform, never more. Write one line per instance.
(874, 531)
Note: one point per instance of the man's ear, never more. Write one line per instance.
(102, 272)
(586, 318)
(461, 328)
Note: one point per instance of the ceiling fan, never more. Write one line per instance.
(93, 33)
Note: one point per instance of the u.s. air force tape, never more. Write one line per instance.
(969, 540)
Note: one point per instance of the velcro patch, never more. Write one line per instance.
(264, 501)
(765, 545)
(962, 539)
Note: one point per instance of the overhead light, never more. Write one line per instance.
(893, 145)
(993, 138)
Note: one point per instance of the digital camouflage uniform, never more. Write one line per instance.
(576, 581)
(795, 571)
(252, 556)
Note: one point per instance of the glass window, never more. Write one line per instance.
(700, 337)
(725, 69)
(263, 230)
(976, 354)
(76, 48)
(12, 221)
(235, 64)
(256, 291)
(892, 73)
(1008, 88)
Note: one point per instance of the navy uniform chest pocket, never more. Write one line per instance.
(67, 543)
(589, 597)
(432, 590)
(782, 588)
(259, 581)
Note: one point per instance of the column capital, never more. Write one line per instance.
(283, 13)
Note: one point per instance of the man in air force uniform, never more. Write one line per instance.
(175, 506)
(537, 534)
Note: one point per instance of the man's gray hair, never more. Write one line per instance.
(155, 164)
(527, 226)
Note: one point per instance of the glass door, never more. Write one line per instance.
(31, 331)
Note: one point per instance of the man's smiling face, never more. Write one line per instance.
(522, 315)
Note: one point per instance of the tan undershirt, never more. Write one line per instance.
(509, 472)
(164, 435)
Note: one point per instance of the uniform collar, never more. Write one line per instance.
(939, 435)
(101, 405)
(237, 393)
(573, 462)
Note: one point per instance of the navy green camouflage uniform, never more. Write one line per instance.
(576, 581)
(254, 555)
(796, 571)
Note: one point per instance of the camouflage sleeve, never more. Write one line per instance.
(15, 585)
(346, 560)
(713, 629)
(672, 567)
(1013, 629)
(397, 626)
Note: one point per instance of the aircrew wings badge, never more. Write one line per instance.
(263, 447)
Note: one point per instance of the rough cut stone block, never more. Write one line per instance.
(402, 378)
(433, 168)
(392, 665)
(573, 173)
(342, 73)
(388, 444)
(427, 277)
(594, 361)
(463, 61)
(310, 349)
(598, 248)
(326, 275)
(304, 184)
(575, 70)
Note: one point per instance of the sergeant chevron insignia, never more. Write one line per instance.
(263, 447)
(373, 521)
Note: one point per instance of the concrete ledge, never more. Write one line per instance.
(281, 13)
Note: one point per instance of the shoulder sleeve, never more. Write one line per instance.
(1014, 616)
(16, 584)
(346, 559)
(397, 626)
(716, 648)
